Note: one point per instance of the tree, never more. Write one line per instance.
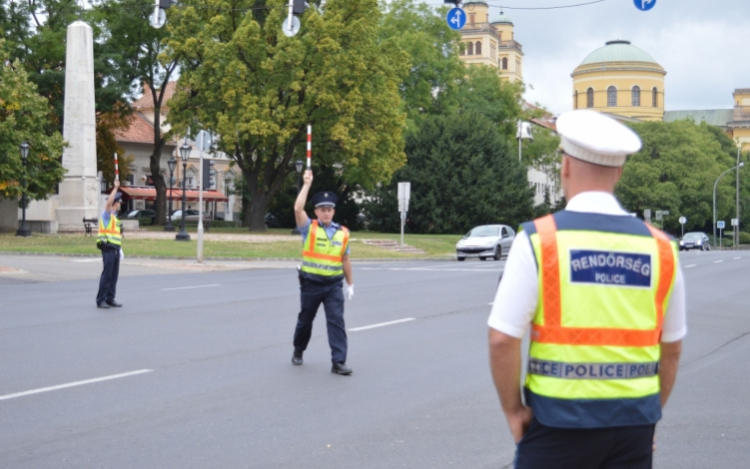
(462, 174)
(134, 49)
(24, 117)
(258, 89)
(676, 170)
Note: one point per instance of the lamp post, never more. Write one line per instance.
(171, 163)
(24, 230)
(298, 169)
(737, 206)
(524, 132)
(184, 155)
(715, 184)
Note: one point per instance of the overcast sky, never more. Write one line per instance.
(704, 45)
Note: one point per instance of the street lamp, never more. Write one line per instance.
(184, 155)
(715, 184)
(24, 230)
(524, 132)
(171, 163)
(298, 168)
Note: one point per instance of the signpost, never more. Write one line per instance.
(682, 221)
(404, 192)
(720, 226)
(644, 5)
(456, 18)
(647, 215)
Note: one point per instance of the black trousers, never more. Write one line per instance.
(110, 272)
(332, 297)
(544, 447)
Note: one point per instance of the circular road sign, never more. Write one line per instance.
(682, 220)
(289, 32)
(456, 18)
(644, 5)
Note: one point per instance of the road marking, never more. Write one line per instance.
(718, 262)
(426, 269)
(373, 326)
(87, 260)
(689, 266)
(736, 258)
(194, 286)
(75, 383)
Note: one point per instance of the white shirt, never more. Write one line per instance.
(518, 293)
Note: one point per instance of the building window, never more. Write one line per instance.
(505, 63)
(471, 18)
(611, 96)
(636, 97)
(655, 97)
(471, 49)
(575, 99)
(478, 49)
(590, 97)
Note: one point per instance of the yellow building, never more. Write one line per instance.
(620, 79)
(740, 125)
(491, 42)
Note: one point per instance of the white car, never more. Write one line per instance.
(485, 241)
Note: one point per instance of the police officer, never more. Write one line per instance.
(325, 262)
(109, 241)
(604, 296)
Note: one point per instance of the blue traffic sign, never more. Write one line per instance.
(456, 18)
(644, 5)
(720, 225)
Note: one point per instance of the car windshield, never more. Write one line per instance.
(133, 213)
(484, 231)
(692, 236)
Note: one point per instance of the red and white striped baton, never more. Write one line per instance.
(117, 168)
(309, 145)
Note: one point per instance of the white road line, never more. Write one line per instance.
(689, 266)
(718, 262)
(190, 288)
(426, 269)
(75, 383)
(736, 258)
(87, 260)
(373, 326)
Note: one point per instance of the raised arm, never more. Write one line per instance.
(112, 194)
(299, 205)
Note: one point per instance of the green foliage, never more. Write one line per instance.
(676, 171)
(23, 117)
(462, 174)
(744, 237)
(258, 89)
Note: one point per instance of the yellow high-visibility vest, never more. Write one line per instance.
(604, 285)
(322, 256)
(110, 233)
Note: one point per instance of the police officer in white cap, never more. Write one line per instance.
(325, 263)
(603, 296)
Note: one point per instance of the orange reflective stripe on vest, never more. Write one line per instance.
(553, 332)
(316, 255)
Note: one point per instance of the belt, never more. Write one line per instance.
(592, 370)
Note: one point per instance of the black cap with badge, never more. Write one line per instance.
(324, 199)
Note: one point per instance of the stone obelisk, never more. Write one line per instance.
(79, 190)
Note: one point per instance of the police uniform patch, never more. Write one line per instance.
(625, 269)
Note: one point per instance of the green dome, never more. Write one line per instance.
(618, 51)
(502, 19)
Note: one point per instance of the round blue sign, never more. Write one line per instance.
(456, 18)
(644, 5)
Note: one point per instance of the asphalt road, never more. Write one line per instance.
(195, 370)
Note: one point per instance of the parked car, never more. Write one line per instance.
(141, 214)
(485, 241)
(695, 240)
(190, 215)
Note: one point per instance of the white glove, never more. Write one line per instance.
(122, 254)
(350, 291)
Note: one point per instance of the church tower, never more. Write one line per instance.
(491, 42)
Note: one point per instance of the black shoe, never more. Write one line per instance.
(102, 305)
(341, 369)
(115, 304)
(297, 358)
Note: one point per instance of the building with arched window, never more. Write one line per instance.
(491, 42)
(612, 78)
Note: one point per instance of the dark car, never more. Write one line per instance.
(141, 214)
(695, 240)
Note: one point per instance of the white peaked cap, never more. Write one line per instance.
(595, 138)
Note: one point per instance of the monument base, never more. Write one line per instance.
(78, 199)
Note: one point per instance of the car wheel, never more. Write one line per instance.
(498, 253)
(460, 259)
(703, 248)
(708, 248)
(482, 258)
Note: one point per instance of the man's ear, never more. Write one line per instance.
(565, 168)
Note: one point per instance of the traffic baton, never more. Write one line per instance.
(309, 144)
(117, 168)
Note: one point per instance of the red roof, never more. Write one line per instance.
(149, 193)
(139, 130)
(147, 101)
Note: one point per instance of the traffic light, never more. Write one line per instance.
(299, 7)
